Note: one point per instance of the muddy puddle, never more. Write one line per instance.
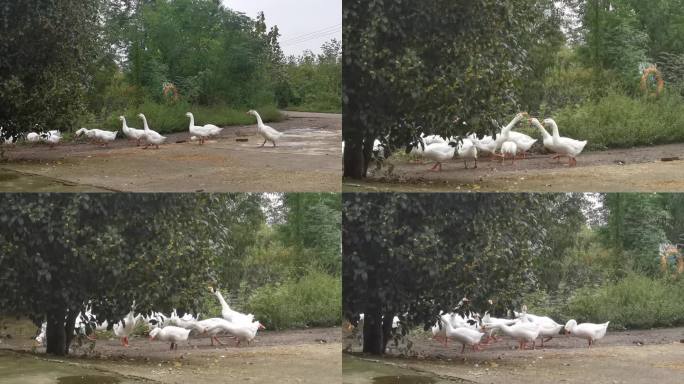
(12, 181)
(362, 371)
(19, 368)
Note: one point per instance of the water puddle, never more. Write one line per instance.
(88, 379)
(12, 181)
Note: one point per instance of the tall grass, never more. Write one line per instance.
(168, 118)
(634, 302)
(619, 121)
(313, 300)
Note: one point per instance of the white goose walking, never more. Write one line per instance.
(170, 333)
(589, 331)
(132, 133)
(267, 133)
(150, 136)
(202, 132)
(565, 146)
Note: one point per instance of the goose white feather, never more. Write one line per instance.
(269, 134)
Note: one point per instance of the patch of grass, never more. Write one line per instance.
(619, 121)
(168, 118)
(313, 300)
(636, 302)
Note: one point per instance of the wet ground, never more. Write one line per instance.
(639, 169)
(644, 356)
(308, 158)
(292, 356)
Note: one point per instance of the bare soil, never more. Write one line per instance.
(308, 159)
(292, 356)
(621, 357)
(641, 169)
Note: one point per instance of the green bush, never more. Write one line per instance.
(634, 302)
(619, 121)
(313, 300)
(168, 118)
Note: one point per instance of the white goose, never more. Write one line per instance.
(508, 135)
(432, 139)
(105, 137)
(125, 327)
(269, 134)
(547, 326)
(229, 314)
(170, 333)
(132, 133)
(204, 131)
(150, 136)
(589, 331)
(6, 141)
(524, 332)
(565, 146)
(546, 137)
(485, 145)
(32, 137)
(52, 137)
(467, 150)
(437, 152)
(509, 149)
(463, 335)
(242, 331)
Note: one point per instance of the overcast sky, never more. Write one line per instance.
(303, 24)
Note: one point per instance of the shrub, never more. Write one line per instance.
(313, 300)
(634, 302)
(619, 121)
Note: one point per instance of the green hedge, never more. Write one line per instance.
(313, 300)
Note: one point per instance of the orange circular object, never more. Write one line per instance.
(169, 88)
(659, 80)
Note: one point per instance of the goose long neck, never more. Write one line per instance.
(512, 124)
(145, 122)
(554, 127)
(259, 121)
(222, 300)
(543, 131)
(192, 121)
(125, 126)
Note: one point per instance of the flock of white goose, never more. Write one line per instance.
(478, 331)
(172, 329)
(507, 144)
(147, 136)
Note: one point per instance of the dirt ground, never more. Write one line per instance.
(639, 169)
(309, 158)
(293, 356)
(621, 357)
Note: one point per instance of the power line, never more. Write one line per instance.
(315, 37)
(306, 35)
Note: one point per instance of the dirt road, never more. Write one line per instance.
(309, 158)
(644, 356)
(635, 169)
(294, 356)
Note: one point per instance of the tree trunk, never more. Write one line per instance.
(386, 329)
(354, 160)
(69, 325)
(373, 342)
(55, 332)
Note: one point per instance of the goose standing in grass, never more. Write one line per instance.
(565, 146)
(150, 136)
(170, 333)
(267, 133)
(204, 131)
(132, 133)
(589, 331)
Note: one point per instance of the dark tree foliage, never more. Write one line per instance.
(60, 251)
(417, 254)
(45, 49)
(412, 67)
